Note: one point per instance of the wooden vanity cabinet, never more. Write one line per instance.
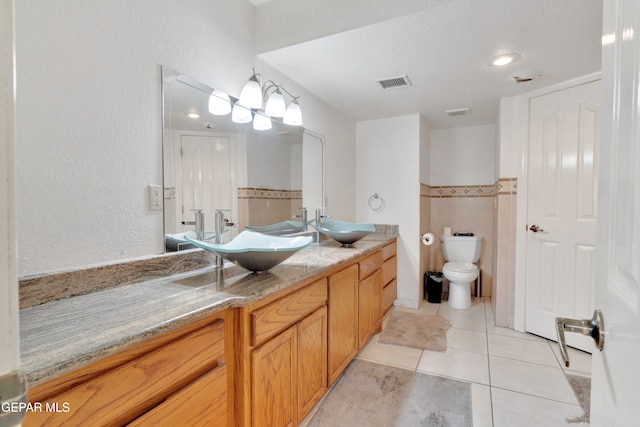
(389, 273)
(343, 320)
(369, 297)
(179, 377)
(288, 356)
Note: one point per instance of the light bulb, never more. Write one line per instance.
(251, 95)
(219, 103)
(293, 115)
(275, 104)
(261, 121)
(240, 114)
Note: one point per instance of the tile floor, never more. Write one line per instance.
(516, 379)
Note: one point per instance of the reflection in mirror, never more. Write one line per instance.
(211, 163)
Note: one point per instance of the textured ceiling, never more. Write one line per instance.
(443, 49)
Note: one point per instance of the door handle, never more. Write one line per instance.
(535, 229)
(593, 327)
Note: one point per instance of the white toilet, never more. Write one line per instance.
(460, 252)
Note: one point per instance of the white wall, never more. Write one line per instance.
(463, 156)
(388, 163)
(339, 145)
(88, 120)
(509, 135)
(425, 152)
(9, 333)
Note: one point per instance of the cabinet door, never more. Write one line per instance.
(312, 361)
(369, 307)
(364, 311)
(273, 381)
(343, 320)
(376, 302)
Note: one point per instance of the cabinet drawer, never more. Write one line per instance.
(389, 270)
(389, 295)
(203, 403)
(370, 264)
(268, 321)
(389, 250)
(129, 391)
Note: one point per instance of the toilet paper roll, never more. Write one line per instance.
(427, 239)
(447, 231)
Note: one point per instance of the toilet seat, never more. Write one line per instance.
(460, 267)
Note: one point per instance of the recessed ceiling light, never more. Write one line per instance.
(192, 115)
(503, 59)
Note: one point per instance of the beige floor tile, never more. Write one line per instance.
(458, 364)
(389, 354)
(481, 405)
(429, 307)
(493, 329)
(531, 378)
(477, 308)
(579, 361)
(462, 321)
(516, 409)
(522, 349)
(464, 339)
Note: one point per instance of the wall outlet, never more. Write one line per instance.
(155, 197)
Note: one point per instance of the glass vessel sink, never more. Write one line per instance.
(346, 233)
(256, 251)
(182, 237)
(179, 242)
(285, 227)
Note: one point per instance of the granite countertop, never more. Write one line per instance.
(59, 336)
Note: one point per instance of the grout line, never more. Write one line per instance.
(488, 364)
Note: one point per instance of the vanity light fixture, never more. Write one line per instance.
(219, 103)
(261, 121)
(255, 91)
(293, 115)
(240, 114)
(251, 94)
(503, 59)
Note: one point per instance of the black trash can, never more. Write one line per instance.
(433, 286)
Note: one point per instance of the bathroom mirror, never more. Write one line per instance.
(257, 177)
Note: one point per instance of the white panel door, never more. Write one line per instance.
(615, 370)
(561, 206)
(206, 178)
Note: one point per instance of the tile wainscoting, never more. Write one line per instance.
(264, 206)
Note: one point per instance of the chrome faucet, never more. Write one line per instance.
(319, 219)
(221, 223)
(303, 216)
(199, 223)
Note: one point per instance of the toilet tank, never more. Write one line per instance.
(461, 248)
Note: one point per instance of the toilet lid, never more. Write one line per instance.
(461, 267)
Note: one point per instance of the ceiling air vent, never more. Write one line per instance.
(394, 82)
(458, 111)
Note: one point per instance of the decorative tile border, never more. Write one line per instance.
(268, 193)
(507, 186)
(502, 186)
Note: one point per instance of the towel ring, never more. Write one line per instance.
(376, 203)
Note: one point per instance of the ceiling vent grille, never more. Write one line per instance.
(458, 111)
(394, 82)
